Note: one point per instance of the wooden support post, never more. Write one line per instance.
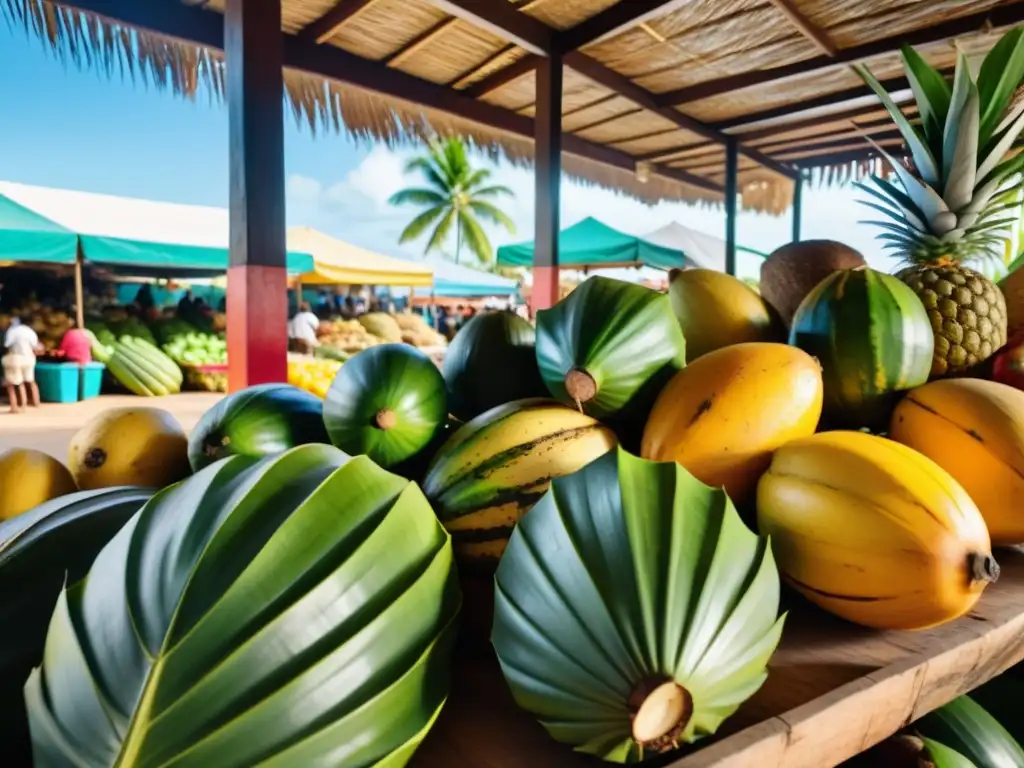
(79, 290)
(257, 305)
(798, 206)
(731, 201)
(298, 292)
(548, 180)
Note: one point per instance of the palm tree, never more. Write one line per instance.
(456, 195)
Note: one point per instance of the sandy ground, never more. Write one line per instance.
(49, 428)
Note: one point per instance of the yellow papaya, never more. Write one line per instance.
(723, 415)
(873, 531)
(29, 478)
(974, 430)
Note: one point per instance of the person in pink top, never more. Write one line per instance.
(75, 346)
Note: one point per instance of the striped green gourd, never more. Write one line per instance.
(495, 468)
(873, 339)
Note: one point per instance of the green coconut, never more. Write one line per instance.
(634, 610)
(387, 402)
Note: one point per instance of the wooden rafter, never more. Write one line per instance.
(419, 42)
(807, 28)
(324, 28)
(503, 19)
(500, 77)
(606, 120)
(615, 19)
(752, 136)
(1002, 16)
(174, 19)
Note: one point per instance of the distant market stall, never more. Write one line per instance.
(592, 244)
(336, 262)
(700, 249)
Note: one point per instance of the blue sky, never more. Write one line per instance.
(62, 127)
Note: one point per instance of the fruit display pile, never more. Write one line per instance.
(376, 328)
(48, 323)
(622, 494)
(187, 345)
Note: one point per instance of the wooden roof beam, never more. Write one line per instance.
(807, 28)
(419, 42)
(324, 28)
(503, 19)
(615, 19)
(906, 104)
(500, 77)
(204, 28)
(602, 75)
(1002, 16)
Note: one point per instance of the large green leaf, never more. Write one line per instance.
(627, 572)
(965, 726)
(941, 756)
(39, 551)
(961, 152)
(1000, 76)
(932, 93)
(294, 611)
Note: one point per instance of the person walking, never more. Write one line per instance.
(302, 330)
(19, 365)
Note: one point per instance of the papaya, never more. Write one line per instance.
(387, 402)
(257, 421)
(722, 416)
(717, 310)
(974, 430)
(873, 531)
(28, 478)
(129, 446)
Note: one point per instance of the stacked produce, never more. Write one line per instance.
(314, 375)
(417, 332)
(346, 335)
(277, 602)
(143, 369)
(187, 345)
(375, 328)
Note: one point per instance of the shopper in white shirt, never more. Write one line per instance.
(302, 330)
(19, 365)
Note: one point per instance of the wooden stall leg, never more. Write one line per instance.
(548, 180)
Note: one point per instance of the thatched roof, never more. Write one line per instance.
(651, 87)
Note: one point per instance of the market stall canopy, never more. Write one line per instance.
(27, 236)
(701, 249)
(457, 281)
(339, 263)
(593, 244)
(140, 236)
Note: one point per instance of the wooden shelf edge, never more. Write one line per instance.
(812, 735)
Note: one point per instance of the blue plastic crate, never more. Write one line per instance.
(58, 382)
(91, 380)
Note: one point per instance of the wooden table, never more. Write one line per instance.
(834, 689)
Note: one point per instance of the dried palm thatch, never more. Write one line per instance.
(90, 42)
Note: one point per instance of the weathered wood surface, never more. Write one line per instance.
(834, 690)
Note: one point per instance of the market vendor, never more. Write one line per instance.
(302, 330)
(75, 345)
(19, 365)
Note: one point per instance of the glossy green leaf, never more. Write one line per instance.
(932, 92)
(387, 402)
(39, 551)
(599, 329)
(965, 726)
(625, 572)
(941, 756)
(293, 611)
(925, 162)
(961, 148)
(1000, 76)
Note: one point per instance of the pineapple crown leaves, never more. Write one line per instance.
(959, 150)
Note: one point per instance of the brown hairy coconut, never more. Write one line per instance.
(792, 271)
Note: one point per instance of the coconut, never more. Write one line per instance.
(793, 270)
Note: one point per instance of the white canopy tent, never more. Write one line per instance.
(701, 249)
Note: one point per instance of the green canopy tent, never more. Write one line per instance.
(25, 236)
(591, 244)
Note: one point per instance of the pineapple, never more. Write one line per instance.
(954, 204)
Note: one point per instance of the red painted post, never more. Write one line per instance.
(548, 180)
(257, 301)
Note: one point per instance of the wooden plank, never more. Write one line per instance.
(1003, 16)
(503, 19)
(807, 28)
(614, 20)
(324, 28)
(257, 279)
(504, 76)
(834, 689)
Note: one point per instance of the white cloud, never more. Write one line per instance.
(378, 176)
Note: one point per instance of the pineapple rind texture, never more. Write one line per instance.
(967, 312)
